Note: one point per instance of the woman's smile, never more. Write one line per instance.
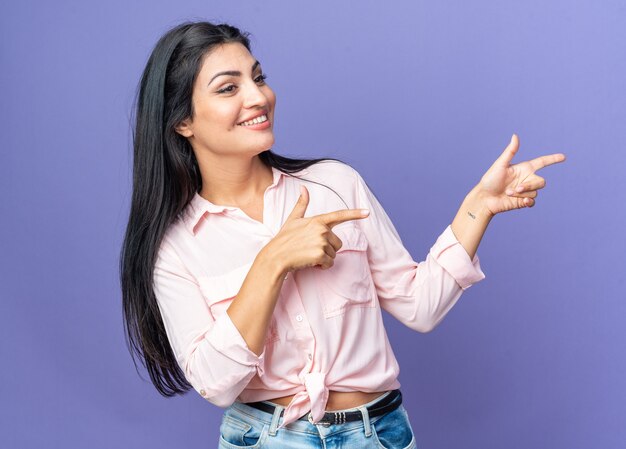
(259, 123)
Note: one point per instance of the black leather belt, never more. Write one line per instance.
(387, 404)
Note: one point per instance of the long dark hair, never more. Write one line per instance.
(166, 176)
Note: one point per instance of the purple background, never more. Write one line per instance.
(420, 97)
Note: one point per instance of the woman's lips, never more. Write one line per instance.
(257, 126)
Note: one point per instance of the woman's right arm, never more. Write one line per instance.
(301, 242)
(252, 308)
(218, 356)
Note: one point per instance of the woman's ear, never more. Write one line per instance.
(184, 129)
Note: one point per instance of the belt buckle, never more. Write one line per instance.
(309, 416)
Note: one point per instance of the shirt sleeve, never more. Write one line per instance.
(419, 295)
(215, 358)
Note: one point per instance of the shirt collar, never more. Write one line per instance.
(199, 206)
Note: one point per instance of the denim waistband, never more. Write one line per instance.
(303, 425)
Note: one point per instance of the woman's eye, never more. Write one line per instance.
(226, 89)
(259, 79)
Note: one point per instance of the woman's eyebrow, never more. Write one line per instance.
(233, 72)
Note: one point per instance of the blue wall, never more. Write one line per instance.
(420, 97)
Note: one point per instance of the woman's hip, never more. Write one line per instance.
(247, 427)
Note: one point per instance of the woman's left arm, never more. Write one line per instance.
(502, 188)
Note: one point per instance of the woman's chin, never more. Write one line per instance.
(264, 143)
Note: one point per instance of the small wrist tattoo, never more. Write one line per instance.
(471, 215)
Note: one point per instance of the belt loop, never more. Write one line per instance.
(366, 421)
(275, 418)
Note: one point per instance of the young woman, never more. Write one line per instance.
(255, 279)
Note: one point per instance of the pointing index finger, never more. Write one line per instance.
(544, 161)
(339, 216)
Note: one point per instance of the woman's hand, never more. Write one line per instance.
(505, 187)
(309, 241)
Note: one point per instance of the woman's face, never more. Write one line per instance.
(222, 102)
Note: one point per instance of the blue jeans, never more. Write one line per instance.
(247, 427)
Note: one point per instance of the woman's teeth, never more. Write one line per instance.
(254, 121)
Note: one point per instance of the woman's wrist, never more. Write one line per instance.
(471, 221)
(475, 203)
(272, 264)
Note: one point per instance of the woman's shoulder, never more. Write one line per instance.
(337, 184)
(178, 237)
(332, 170)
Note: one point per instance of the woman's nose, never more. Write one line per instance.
(254, 96)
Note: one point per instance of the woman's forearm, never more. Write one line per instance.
(252, 308)
(471, 221)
